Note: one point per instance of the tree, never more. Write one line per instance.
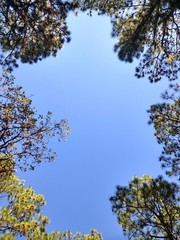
(23, 133)
(19, 216)
(148, 209)
(22, 215)
(26, 25)
(145, 27)
(165, 118)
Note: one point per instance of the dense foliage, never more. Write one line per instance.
(149, 28)
(26, 25)
(165, 118)
(148, 209)
(144, 28)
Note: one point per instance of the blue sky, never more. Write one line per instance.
(110, 140)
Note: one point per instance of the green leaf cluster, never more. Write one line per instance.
(26, 25)
(165, 118)
(148, 208)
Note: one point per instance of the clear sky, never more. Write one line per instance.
(110, 140)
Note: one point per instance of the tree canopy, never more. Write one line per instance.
(26, 25)
(148, 29)
(165, 117)
(148, 209)
(145, 28)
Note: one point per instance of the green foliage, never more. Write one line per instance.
(148, 208)
(19, 216)
(6, 167)
(144, 27)
(32, 30)
(24, 134)
(149, 28)
(165, 118)
(94, 235)
(22, 215)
